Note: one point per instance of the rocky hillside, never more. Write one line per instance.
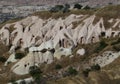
(54, 42)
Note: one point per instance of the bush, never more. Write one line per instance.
(58, 66)
(35, 72)
(66, 8)
(72, 71)
(2, 59)
(86, 72)
(95, 67)
(14, 83)
(57, 8)
(67, 5)
(53, 9)
(22, 82)
(101, 46)
(9, 62)
(86, 7)
(19, 55)
(78, 6)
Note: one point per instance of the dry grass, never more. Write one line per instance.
(115, 64)
(47, 14)
(106, 13)
(9, 21)
(97, 18)
(109, 12)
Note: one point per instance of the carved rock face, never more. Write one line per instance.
(53, 35)
(36, 56)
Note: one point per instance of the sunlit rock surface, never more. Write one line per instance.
(47, 39)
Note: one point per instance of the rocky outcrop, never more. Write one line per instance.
(105, 58)
(54, 38)
(33, 31)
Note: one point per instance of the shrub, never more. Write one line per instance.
(66, 8)
(57, 8)
(19, 55)
(2, 59)
(9, 62)
(35, 72)
(67, 5)
(95, 67)
(101, 46)
(86, 72)
(58, 66)
(72, 71)
(22, 82)
(14, 83)
(86, 7)
(78, 6)
(110, 3)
